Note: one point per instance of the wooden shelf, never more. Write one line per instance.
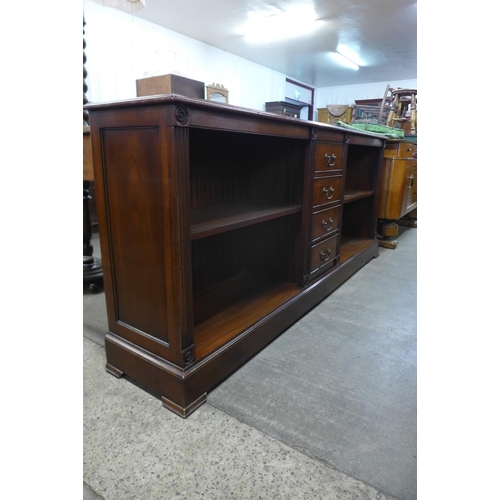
(215, 219)
(350, 246)
(230, 308)
(353, 195)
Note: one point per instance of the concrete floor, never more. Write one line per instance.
(253, 440)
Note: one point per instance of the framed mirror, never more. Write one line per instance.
(217, 93)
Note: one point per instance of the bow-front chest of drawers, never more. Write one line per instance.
(398, 190)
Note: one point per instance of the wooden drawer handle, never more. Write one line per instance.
(325, 254)
(327, 225)
(330, 160)
(328, 192)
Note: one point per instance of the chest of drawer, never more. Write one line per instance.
(410, 198)
(328, 156)
(326, 190)
(325, 222)
(323, 255)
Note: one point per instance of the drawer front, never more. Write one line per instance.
(328, 156)
(323, 255)
(326, 190)
(400, 149)
(325, 222)
(407, 149)
(410, 199)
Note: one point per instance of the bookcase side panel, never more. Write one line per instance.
(134, 212)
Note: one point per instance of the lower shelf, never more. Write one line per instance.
(278, 304)
(225, 311)
(350, 246)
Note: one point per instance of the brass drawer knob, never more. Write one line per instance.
(328, 192)
(330, 160)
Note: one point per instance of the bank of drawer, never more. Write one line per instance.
(328, 156)
(324, 222)
(326, 190)
(323, 254)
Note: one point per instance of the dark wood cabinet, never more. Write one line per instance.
(284, 108)
(220, 227)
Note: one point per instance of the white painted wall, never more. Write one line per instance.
(121, 48)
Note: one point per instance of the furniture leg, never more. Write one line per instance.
(387, 230)
(409, 220)
(92, 268)
(393, 112)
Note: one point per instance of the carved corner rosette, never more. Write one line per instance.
(314, 134)
(188, 355)
(181, 116)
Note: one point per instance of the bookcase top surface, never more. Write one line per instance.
(169, 99)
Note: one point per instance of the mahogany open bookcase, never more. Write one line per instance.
(220, 227)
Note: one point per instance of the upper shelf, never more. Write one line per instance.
(215, 219)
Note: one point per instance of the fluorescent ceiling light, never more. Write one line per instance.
(340, 58)
(274, 24)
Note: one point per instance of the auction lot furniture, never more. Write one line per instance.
(169, 84)
(333, 113)
(404, 110)
(284, 108)
(374, 110)
(398, 190)
(92, 268)
(219, 228)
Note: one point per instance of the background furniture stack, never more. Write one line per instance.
(333, 113)
(209, 254)
(373, 110)
(403, 112)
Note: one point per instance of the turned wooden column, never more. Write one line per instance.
(92, 268)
